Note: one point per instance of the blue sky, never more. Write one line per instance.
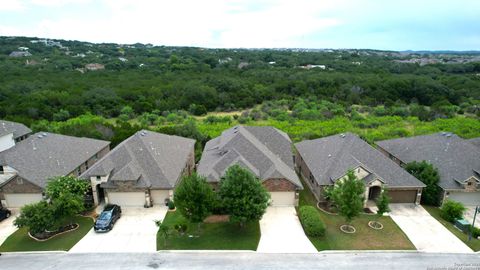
(374, 24)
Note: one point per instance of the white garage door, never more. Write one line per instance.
(467, 198)
(159, 196)
(286, 198)
(20, 199)
(127, 198)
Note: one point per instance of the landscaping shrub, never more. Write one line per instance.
(171, 205)
(452, 210)
(310, 219)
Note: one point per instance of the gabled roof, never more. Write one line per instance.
(18, 129)
(265, 151)
(329, 158)
(45, 155)
(457, 159)
(152, 159)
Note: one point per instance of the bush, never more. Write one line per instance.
(171, 205)
(452, 210)
(311, 222)
(475, 231)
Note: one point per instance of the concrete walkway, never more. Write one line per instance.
(283, 233)
(425, 232)
(7, 227)
(135, 231)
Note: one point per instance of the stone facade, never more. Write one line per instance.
(471, 185)
(19, 185)
(88, 163)
(276, 184)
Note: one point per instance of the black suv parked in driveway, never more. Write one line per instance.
(4, 213)
(110, 214)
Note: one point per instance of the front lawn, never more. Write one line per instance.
(391, 237)
(474, 244)
(225, 235)
(20, 241)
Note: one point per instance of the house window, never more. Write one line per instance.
(293, 160)
(79, 170)
(1, 170)
(469, 183)
(19, 181)
(96, 156)
(358, 170)
(86, 165)
(311, 178)
(98, 178)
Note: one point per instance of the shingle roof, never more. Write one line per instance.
(265, 151)
(18, 129)
(456, 158)
(45, 155)
(329, 158)
(152, 159)
(475, 141)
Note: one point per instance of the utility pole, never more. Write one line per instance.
(477, 209)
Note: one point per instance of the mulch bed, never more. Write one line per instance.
(50, 234)
(217, 219)
(348, 229)
(375, 225)
(327, 207)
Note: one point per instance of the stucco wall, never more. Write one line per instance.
(89, 163)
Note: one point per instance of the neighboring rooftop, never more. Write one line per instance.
(18, 129)
(45, 155)
(457, 159)
(152, 159)
(329, 159)
(265, 151)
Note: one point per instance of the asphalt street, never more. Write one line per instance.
(239, 260)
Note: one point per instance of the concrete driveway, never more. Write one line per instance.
(469, 214)
(7, 227)
(283, 233)
(425, 232)
(135, 231)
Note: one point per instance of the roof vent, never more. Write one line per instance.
(40, 136)
(444, 133)
(329, 155)
(449, 135)
(342, 135)
(44, 134)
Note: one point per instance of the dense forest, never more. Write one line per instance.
(53, 80)
(111, 90)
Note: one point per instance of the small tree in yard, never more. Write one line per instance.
(428, 174)
(194, 198)
(63, 184)
(243, 196)
(382, 203)
(348, 195)
(37, 217)
(452, 210)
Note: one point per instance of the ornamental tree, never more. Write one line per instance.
(243, 195)
(429, 175)
(348, 195)
(194, 198)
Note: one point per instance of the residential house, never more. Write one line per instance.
(143, 170)
(11, 133)
(26, 167)
(457, 160)
(323, 162)
(264, 151)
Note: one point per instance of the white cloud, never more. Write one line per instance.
(11, 5)
(57, 3)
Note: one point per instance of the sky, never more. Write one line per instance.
(361, 24)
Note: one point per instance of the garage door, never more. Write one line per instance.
(402, 196)
(159, 196)
(467, 198)
(20, 199)
(283, 198)
(127, 198)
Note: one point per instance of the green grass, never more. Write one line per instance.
(373, 128)
(224, 236)
(20, 241)
(474, 244)
(391, 237)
